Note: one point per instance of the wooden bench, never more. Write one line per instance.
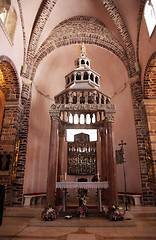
(132, 198)
(33, 198)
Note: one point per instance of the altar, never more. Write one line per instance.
(86, 185)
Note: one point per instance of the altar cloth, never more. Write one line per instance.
(87, 185)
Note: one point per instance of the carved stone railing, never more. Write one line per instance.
(81, 96)
(85, 114)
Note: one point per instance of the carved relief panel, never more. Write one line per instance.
(82, 159)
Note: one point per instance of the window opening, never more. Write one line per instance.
(72, 77)
(82, 158)
(150, 15)
(96, 80)
(8, 17)
(78, 76)
(85, 76)
(91, 77)
(70, 133)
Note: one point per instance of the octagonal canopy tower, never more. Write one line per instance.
(82, 105)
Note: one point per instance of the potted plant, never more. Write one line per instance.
(82, 210)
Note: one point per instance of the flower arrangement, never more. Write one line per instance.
(115, 213)
(49, 213)
(82, 209)
(82, 196)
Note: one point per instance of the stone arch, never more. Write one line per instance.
(121, 27)
(92, 31)
(149, 107)
(10, 117)
(2, 105)
(43, 14)
(40, 21)
(141, 10)
(150, 78)
(10, 85)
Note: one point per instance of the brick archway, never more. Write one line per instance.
(2, 104)
(149, 78)
(92, 31)
(10, 115)
(149, 106)
(43, 15)
(10, 86)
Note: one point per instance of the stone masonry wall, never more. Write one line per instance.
(10, 123)
(141, 133)
(149, 105)
(8, 138)
(150, 113)
(17, 189)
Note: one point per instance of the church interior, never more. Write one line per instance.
(77, 104)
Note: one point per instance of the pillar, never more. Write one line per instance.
(112, 173)
(104, 162)
(61, 167)
(53, 158)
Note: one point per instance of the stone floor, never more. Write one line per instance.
(16, 225)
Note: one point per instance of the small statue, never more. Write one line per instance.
(82, 48)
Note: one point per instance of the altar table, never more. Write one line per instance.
(86, 185)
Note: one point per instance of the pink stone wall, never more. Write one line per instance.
(38, 145)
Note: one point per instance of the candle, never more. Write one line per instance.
(65, 176)
(98, 176)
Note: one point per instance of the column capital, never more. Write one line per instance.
(54, 112)
(109, 115)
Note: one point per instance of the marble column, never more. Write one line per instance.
(53, 158)
(112, 172)
(104, 162)
(61, 167)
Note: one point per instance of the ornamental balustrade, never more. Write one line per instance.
(82, 96)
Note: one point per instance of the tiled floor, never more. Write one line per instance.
(15, 226)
